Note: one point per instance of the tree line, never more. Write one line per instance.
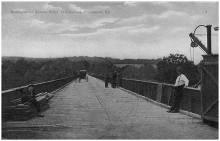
(23, 71)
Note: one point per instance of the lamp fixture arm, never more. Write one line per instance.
(196, 40)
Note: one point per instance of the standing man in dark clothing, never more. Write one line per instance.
(114, 79)
(181, 82)
(120, 79)
(79, 77)
(31, 97)
(107, 79)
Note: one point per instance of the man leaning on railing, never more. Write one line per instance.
(181, 82)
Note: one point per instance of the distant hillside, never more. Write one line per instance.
(134, 65)
(86, 58)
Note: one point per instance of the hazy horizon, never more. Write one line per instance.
(122, 30)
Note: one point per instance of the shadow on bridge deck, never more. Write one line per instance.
(87, 110)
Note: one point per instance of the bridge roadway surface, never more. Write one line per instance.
(87, 110)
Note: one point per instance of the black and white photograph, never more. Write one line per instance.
(103, 70)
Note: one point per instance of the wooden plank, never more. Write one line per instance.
(210, 107)
(211, 76)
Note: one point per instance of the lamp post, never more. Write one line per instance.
(195, 41)
(209, 38)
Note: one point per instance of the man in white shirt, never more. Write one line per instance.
(181, 82)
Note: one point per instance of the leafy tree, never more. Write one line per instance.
(21, 71)
(167, 69)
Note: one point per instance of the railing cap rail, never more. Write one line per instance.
(158, 83)
(22, 87)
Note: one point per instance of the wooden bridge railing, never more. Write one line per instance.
(162, 93)
(49, 86)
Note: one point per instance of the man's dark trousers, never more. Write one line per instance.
(177, 97)
(106, 83)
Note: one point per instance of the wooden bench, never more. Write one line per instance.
(24, 111)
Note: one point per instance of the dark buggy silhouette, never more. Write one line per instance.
(83, 75)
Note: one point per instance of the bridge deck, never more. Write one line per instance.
(87, 110)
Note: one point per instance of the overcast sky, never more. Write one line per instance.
(107, 29)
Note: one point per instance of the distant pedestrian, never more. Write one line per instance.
(79, 77)
(107, 79)
(87, 78)
(117, 79)
(181, 82)
(76, 74)
(114, 79)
